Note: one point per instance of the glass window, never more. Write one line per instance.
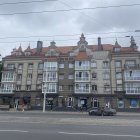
(130, 63)
(94, 75)
(94, 87)
(40, 66)
(61, 76)
(106, 76)
(10, 66)
(61, 88)
(30, 66)
(61, 65)
(93, 64)
(118, 64)
(71, 65)
(18, 87)
(106, 87)
(118, 75)
(28, 87)
(20, 66)
(134, 103)
(105, 64)
(19, 77)
(120, 103)
(71, 76)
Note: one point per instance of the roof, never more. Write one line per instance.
(82, 56)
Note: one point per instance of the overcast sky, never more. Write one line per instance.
(90, 22)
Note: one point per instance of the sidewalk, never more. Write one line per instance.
(66, 112)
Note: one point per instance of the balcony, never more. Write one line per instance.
(134, 66)
(50, 69)
(82, 68)
(82, 79)
(50, 80)
(9, 69)
(133, 91)
(132, 78)
(8, 80)
(82, 91)
(6, 91)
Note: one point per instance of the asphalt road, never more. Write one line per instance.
(68, 126)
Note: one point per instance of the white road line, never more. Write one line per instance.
(21, 131)
(93, 134)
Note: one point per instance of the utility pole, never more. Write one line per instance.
(45, 92)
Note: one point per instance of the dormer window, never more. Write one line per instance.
(27, 53)
(117, 49)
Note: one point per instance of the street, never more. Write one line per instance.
(68, 125)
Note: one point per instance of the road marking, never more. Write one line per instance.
(21, 131)
(93, 134)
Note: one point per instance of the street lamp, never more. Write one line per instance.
(45, 92)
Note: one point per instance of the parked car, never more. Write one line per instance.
(102, 111)
(95, 111)
(109, 112)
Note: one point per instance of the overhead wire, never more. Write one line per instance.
(68, 10)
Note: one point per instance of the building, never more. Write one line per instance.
(73, 76)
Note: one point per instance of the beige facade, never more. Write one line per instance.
(73, 77)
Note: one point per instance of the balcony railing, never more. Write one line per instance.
(132, 66)
(132, 78)
(82, 79)
(8, 80)
(82, 68)
(9, 69)
(50, 69)
(6, 91)
(82, 90)
(50, 80)
(133, 90)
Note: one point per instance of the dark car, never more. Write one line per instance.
(102, 111)
(95, 111)
(109, 112)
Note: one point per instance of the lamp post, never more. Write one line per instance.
(45, 92)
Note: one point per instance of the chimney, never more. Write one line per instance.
(39, 46)
(100, 47)
(99, 41)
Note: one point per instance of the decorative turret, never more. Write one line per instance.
(52, 45)
(133, 43)
(82, 43)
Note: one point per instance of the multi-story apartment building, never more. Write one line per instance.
(73, 76)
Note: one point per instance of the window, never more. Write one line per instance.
(94, 87)
(119, 88)
(71, 76)
(10, 66)
(20, 66)
(71, 65)
(118, 64)
(29, 76)
(70, 87)
(105, 64)
(82, 88)
(50, 65)
(40, 77)
(134, 103)
(19, 77)
(61, 76)
(39, 87)
(82, 75)
(18, 87)
(28, 87)
(61, 65)
(30, 66)
(49, 88)
(61, 88)
(84, 65)
(40, 66)
(120, 103)
(93, 64)
(118, 75)
(94, 75)
(130, 62)
(106, 76)
(107, 88)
